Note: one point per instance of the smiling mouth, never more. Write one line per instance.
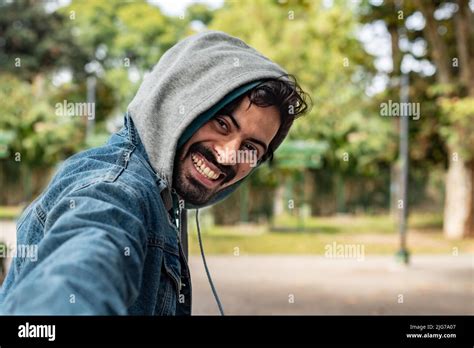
(201, 166)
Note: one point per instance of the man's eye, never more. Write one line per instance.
(250, 147)
(222, 124)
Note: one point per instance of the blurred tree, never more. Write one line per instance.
(455, 76)
(41, 43)
(317, 44)
(429, 154)
(445, 135)
(33, 45)
(40, 138)
(122, 40)
(34, 42)
(199, 12)
(295, 34)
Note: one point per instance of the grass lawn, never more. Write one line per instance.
(378, 234)
(10, 212)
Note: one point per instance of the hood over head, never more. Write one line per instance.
(189, 84)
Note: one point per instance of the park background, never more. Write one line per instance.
(318, 232)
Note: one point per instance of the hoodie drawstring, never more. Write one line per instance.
(205, 265)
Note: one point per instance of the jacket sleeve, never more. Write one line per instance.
(90, 259)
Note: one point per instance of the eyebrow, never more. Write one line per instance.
(257, 141)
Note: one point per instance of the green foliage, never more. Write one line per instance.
(318, 46)
(41, 138)
(265, 176)
(34, 41)
(123, 40)
(458, 115)
(199, 12)
(447, 117)
(116, 41)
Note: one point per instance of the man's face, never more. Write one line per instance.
(223, 151)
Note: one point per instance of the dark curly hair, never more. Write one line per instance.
(286, 95)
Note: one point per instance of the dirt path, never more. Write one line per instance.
(294, 284)
(318, 285)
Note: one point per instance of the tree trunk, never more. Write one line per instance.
(459, 202)
(466, 69)
(439, 47)
(396, 53)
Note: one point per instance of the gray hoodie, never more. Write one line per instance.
(183, 89)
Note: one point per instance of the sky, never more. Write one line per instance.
(177, 7)
(169, 7)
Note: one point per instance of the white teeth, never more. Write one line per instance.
(203, 169)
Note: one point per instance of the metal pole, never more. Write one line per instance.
(403, 254)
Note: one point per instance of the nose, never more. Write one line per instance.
(226, 152)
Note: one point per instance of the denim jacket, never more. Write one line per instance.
(106, 243)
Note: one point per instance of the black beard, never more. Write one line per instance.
(188, 188)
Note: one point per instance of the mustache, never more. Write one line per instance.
(229, 171)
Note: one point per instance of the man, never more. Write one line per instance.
(108, 225)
